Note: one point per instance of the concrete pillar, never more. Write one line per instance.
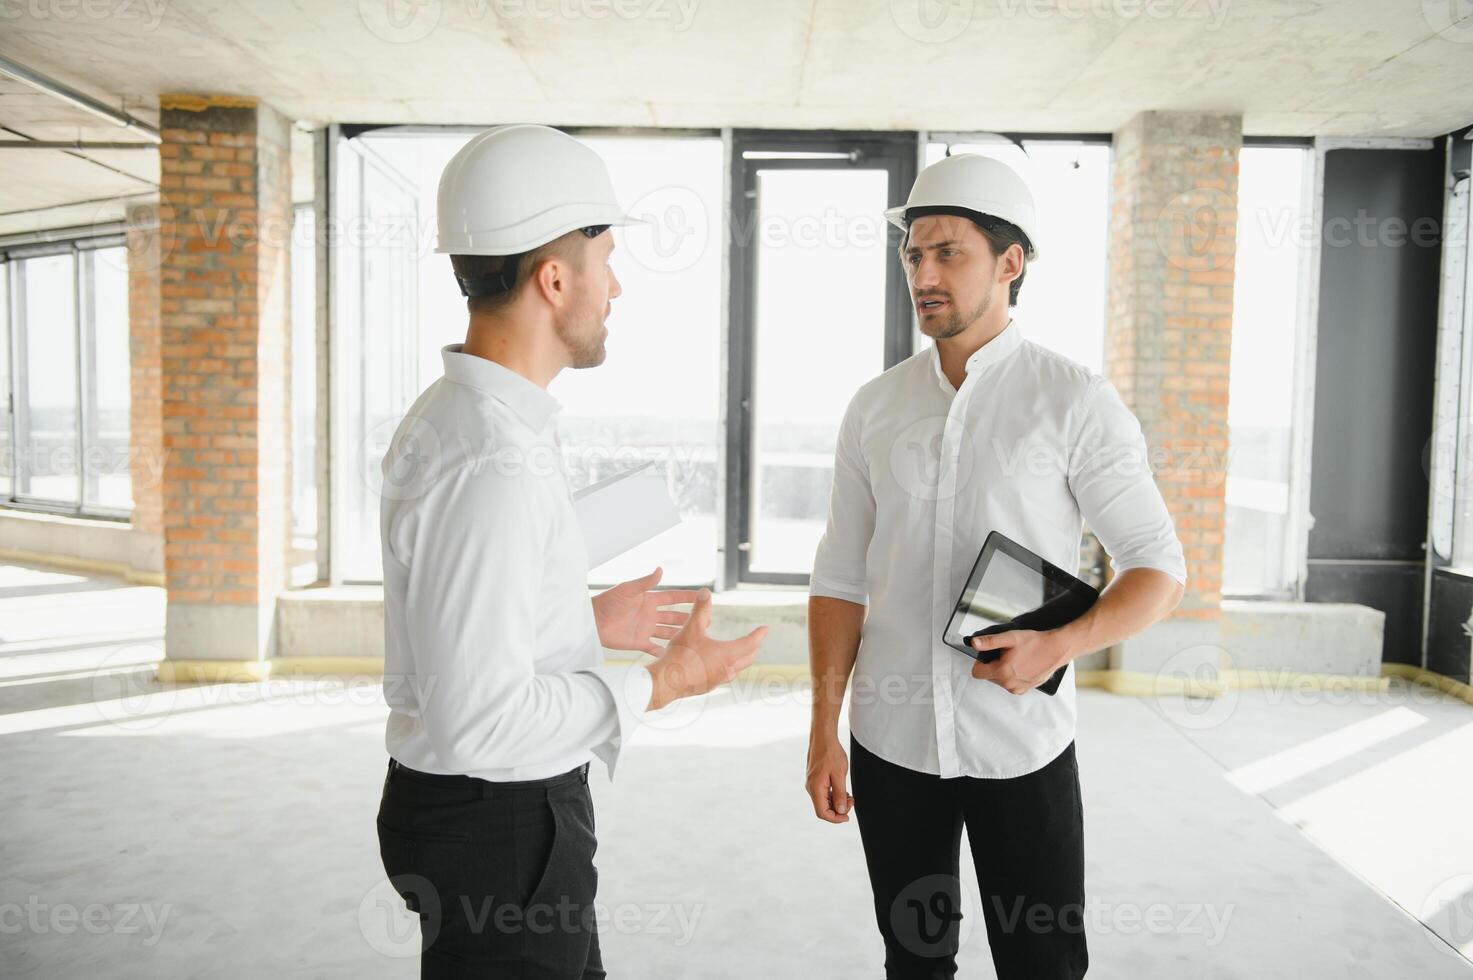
(146, 465)
(225, 221)
(1168, 336)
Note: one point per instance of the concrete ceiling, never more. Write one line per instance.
(1291, 67)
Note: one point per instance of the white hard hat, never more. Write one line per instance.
(513, 188)
(970, 182)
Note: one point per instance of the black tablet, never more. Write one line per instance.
(1012, 588)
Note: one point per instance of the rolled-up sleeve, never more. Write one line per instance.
(839, 565)
(471, 616)
(1111, 479)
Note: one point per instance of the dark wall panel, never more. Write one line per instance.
(1375, 361)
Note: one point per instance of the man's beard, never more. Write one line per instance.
(583, 336)
(955, 323)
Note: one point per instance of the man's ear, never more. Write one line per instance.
(550, 279)
(1011, 259)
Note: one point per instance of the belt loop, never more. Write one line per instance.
(583, 773)
(487, 790)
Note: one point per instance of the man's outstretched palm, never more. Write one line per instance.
(632, 616)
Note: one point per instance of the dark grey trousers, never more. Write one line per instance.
(501, 874)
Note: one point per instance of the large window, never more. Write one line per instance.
(751, 477)
(66, 378)
(1271, 248)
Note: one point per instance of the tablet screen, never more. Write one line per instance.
(1008, 588)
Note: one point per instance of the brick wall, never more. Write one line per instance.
(224, 218)
(1173, 232)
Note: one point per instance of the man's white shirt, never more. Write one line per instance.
(493, 666)
(1033, 445)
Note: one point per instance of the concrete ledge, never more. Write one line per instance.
(333, 622)
(1255, 644)
(1172, 648)
(348, 621)
(1138, 684)
(1322, 638)
(81, 544)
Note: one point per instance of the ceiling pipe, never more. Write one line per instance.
(81, 100)
(72, 145)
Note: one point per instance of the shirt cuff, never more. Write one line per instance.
(1176, 569)
(631, 688)
(829, 590)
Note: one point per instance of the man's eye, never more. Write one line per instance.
(947, 253)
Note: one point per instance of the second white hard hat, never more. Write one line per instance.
(975, 183)
(513, 188)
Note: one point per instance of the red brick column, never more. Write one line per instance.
(225, 219)
(1168, 335)
(146, 466)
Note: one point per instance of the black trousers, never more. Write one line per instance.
(1027, 839)
(501, 874)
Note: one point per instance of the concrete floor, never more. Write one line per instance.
(227, 831)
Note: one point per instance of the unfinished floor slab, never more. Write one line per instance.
(227, 830)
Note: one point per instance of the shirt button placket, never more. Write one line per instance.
(946, 491)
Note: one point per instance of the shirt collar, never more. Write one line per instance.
(999, 347)
(528, 400)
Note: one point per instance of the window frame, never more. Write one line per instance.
(80, 244)
(899, 154)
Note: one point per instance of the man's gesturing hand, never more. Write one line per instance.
(694, 663)
(631, 616)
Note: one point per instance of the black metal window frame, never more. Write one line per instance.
(897, 153)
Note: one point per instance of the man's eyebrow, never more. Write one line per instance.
(917, 248)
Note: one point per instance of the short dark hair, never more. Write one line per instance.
(1000, 235)
(493, 282)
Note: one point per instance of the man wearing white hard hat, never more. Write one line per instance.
(983, 430)
(494, 672)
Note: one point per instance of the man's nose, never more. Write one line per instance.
(926, 274)
(615, 290)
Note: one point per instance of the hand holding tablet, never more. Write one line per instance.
(1011, 588)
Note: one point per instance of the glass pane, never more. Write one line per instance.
(815, 229)
(656, 396)
(109, 484)
(304, 397)
(1455, 485)
(1061, 304)
(7, 453)
(377, 281)
(47, 429)
(1270, 248)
